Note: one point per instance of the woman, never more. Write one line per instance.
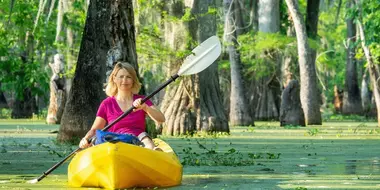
(122, 88)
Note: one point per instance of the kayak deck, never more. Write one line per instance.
(121, 165)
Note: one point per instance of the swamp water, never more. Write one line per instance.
(337, 155)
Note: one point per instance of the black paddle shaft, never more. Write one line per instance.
(172, 78)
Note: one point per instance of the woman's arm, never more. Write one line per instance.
(155, 114)
(152, 111)
(99, 123)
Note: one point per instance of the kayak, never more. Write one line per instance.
(121, 165)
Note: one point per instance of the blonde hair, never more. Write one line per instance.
(111, 89)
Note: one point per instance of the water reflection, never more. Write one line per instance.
(202, 181)
(350, 167)
(362, 166)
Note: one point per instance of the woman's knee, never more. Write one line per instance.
(148, 142)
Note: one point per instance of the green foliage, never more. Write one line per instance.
(16, 75)
(41, 115)
(187, 16)
(73, 19)
(151, 128)
(152, 53)
(293, 126)
(371, 21)
(331, 57)
(284, 18)
(339, 117)
(211, 156)
(260, 47)
(224, 65)
(251, 129)
(5, 113)
(17, 72)
(367, 13)
(203, 134)
(313, 131)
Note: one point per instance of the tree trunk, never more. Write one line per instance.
(338, 13)
(200, 92)
(251, 86)
(41, 7)
(268, 102)
(269, 16)
(351, 98)
(60, 14)
(373, 69)
(289, 68)
(108, 36)
(291, 112)
(209, 104)
(312, 32)
(25, 105)
(254, 17)
(65, 34)
(366, 96)
(57, 91)
(322, 6)
(70, 55)
(312, 16)
(180, 119)
(239, 112)
(11, 5)
(51, 9)
(312, 24)
(310, 96)
(269, 87)
(338, 99)
(3, 100)
(238, 15)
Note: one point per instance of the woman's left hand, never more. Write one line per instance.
(137, 104)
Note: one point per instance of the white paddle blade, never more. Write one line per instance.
(32, 181)
(203, 56)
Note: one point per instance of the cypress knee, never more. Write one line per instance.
(291, 112)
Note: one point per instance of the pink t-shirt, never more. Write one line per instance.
(133, 123)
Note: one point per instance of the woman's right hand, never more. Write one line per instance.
(84, 143)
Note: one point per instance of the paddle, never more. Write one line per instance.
(203, 56)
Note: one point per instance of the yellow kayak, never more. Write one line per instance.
(120, 165)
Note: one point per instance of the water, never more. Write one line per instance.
(332, 156)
